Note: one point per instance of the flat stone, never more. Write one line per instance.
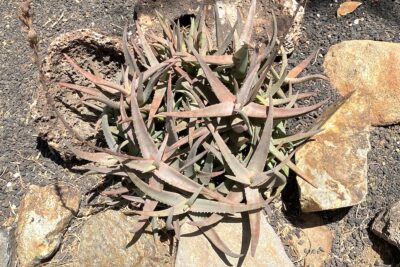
(197, 250)
(387, 225)
(313, 242)
(371, 67)
(43, 217)
(105, 240)
(337, 159)
(4, 248)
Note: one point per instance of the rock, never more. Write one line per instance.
(4, 248)
(43, 217)
(310, 240)
(387, 225)
(284, 10)
(337, 159)
(105, 241)
(197, 250)
(371, 67)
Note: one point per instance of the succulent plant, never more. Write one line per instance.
(197, 124)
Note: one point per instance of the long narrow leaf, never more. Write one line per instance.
(83, 89)
(146, 47)
(129, 56)
(260, 156)
(248, 26)
(112, 88)
(218, 110)
(155, 104)
(145, 141)
(293, 73)
(254, 110)
(221, 91)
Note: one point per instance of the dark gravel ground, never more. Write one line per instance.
(24, 160)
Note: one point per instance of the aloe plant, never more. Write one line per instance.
(198, 127)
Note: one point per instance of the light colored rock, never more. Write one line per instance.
(387, 225)
(4, 248)
(371, 67)
(312, 243)
(337, 159)
(197, 250)
(105, 240)
(43, 216)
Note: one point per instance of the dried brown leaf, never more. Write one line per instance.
(347, 8)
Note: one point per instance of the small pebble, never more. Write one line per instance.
(16, 175)
(356, 21)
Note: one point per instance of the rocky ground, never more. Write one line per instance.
(26, 160)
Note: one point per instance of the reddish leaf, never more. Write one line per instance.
(178, 180)
(184, 140)
(293, 73)
(211, 59)
(217, 110)
(126, 125)
(215, 218)
(259, 111)
(133, 198)
(145, 141)
(83, 89)
(161, 150)
(113, 192)
(213, 237)
(111, 87)
(253, 196)
(260, 155)
(221, 91)
(98, 157)
(242, 174)
(209, 174)
(248, 26)
(193, 160)
(155, 104)
(244, 92)
(146, 47)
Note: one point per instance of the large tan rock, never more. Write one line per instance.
(373, 68)
(337, 159)
(43, 217)
(196, 250)
(106, 240)
(312, 245)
